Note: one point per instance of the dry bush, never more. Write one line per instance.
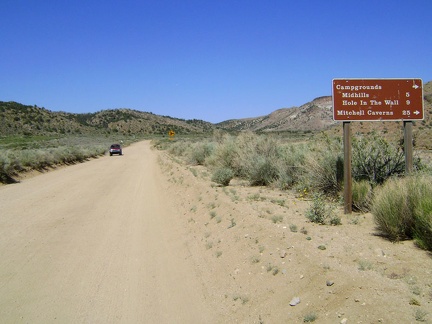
(402, 209)
(321, 167)
(362, 193)
(223, 176)
(321, 211)
(374, 159)
(224, 154)
(199, 152)
(178, 148)
(290, 165)
(392, 211)
(249, 156)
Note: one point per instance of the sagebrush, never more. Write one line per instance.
(402, 209)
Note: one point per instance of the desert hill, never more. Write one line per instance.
(19, 119)
(312, 116)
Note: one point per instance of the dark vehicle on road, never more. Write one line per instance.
(115, 149)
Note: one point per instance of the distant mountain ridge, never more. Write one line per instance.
(18, 119)
(313, 116)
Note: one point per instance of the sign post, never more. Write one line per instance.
(347, 168)
(376, 100)
(408, 146)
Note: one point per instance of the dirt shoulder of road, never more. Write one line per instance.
(255, 254)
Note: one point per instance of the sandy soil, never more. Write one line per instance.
(142, 238)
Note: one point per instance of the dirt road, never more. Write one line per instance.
(96, 243)
(138, 239)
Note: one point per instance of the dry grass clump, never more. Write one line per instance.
(223, 176)
(362, 193)
(402, 209)
(310, 317)
(200, 151)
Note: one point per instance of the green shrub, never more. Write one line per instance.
(178, 148)
(392, 211)
(402, 209)
(261, 171)
(322, 168)
(310, 317)
(224, 154)
(199, 152)
(362, 195)
(364, 265)
(334, 219)
(420, 315)
(321, 212)
(277, 219)
(317, 212)
(5, 176)
(255, 158)
(290, 165)
(321, 174)
(262, 160)
(376, 160)
(223, 176)
(422, 232)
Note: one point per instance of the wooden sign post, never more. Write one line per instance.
(376, 100)
(347, 168)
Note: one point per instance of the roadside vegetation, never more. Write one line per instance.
(313, 169)
(403, 209)
(26, 153)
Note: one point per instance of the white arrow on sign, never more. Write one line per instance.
(416, 112)
(415, 86)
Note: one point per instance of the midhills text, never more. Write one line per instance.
(356, 94)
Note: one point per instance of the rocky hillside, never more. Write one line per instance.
(317, 116)
(18, 119)
(312, 116)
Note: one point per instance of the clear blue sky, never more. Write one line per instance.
(206, 59)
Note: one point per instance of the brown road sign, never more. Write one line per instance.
(377, 99)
